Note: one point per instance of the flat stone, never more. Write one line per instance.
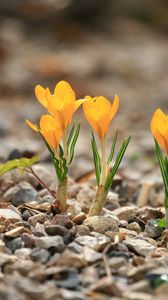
(47, 242)
(137, 296)
(90, 255)
(126, 213)
(140, 246)
(20, 194)
(56, 230)
(134, 226)
(15, 243)
(82, 230)
(10, 215)
(38, 218)
(6, 258)
(101, 224)
(41, 255)
(62, 220)
(71, 259)
(2, 246)
(15, 232)
(23, 253)
(95, 242)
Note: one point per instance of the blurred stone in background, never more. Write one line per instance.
(101, 47)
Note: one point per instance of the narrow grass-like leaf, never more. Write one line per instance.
(17, 163)
(117, 163)
(73, 143)
(61, 152)
(112, 148)
(163, 168)
(70, 135)
(96, 158)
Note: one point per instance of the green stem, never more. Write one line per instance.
(98, 202)
(103, 163)
(62, 194)
(166, 210)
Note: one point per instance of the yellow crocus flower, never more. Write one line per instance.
(62, 104)
(99, 112)
(50, 128)
(159, 128)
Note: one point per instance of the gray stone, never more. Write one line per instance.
(152, 230)
(47, 242)
(82, 230)
(126, 213)
(40, 255)
(97, 242)
(23, 253)
(6, 258)
(21, 193)
(101, 224)
(140, 246)
(90, 255)
(15, 244)
(56, 230)
(134, 226)
(10, 215)
(85, 197)
(71, 259)
(38, 218)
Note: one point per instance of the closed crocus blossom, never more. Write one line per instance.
(159, 128)
(99, 112)
(62, 104)
(50, 128)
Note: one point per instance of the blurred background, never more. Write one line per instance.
(102, 47)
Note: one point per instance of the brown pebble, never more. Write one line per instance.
(79, 218)
(62, 220)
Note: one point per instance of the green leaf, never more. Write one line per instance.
(161, 223)
(163, 166)
(17, 163)
(117, 163)
(112, 148)
(96, 158)
(70, 135)
(73, 143)
(61, 152)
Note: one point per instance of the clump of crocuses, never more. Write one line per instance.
(100, 112)
(60, 138)
(57, 133)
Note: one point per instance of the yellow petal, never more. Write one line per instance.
(62, 88)
(114, 107)
(40, 93)
(48, 122)
(155, 125)
(78, 103)
(160, 115)
(103, 125)
(31, 125)
(90, 118)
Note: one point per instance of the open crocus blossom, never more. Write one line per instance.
(159, 128)
(50, 128)
(62, 104)
(99, 112)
